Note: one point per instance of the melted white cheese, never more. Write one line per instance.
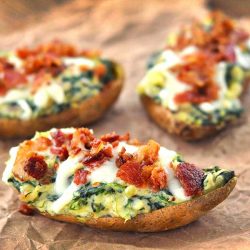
(10, 164)
(27, 111)
(243, 59)
(174, 186)
(78, 61)
(173, 87)
(65, 198)
(64, 171)
(13, 95)
(106, 173)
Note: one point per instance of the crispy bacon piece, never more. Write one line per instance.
(112, 137)
(198, 70)
(142, 169)
(48, 63)
(25, 209)
(61, 152)
(148, 154)
(215, 38)
(54, 47)
(82, 135)
(60, 138)
(5, 65)
(80, 176)
(100, 70)
(123, 157)
(36, 167)
(158, 178)
(98, 158)
(11, 78)
(42, 143)
(190, 177)
(131, 172)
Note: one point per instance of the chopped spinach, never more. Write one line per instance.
(52, 197)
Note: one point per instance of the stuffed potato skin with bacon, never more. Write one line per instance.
(193, 87)
(112, 182)
(53, 85)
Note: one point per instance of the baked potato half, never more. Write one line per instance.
(112, 182)
(193, 87)
(54, 85)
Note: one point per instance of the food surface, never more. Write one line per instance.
(201, 74)
(70, 174)
(47, 79)
(54, 85)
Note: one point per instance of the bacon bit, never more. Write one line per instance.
(81, 135)
(148, 154)
(80, 176)
(11, 79)
(42, 143)
(111, 137)
(123, 157)
(61, 152)
(61, 138)
(26, 209)
(5, 65)
(142, 169)
(115, 144)
(43, 62)
(158, 178)
(190, 177)
(90, 53)
(36, 167)
(100, 70)
(96, 160)
(197, 71)
(131, 172)
(84, 68)
(218, 40)
(54, 47)
(41, 78)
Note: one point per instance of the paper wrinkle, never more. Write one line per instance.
(130, 36)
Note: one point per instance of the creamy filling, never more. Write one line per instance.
(167, 86)
(64, 187)
(107, 174)
(53, 92)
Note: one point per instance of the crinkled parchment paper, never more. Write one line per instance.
(129, 31)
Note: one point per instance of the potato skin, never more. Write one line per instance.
(165, 119)
(86, 112)
(162, 219)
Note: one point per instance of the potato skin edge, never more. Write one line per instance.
(164, 118)
(85, 113)
(162, 219)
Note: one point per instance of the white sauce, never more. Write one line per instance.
(13, 95)
(10, 164)
(27, 112)
(106, 173)
(65, 170)
(243, 59)
(173, 87)
(174, 186)
(66, 197)
(78, 61)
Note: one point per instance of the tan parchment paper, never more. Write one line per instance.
(129, 31)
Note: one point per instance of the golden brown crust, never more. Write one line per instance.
(86, 112)
(162, 219)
